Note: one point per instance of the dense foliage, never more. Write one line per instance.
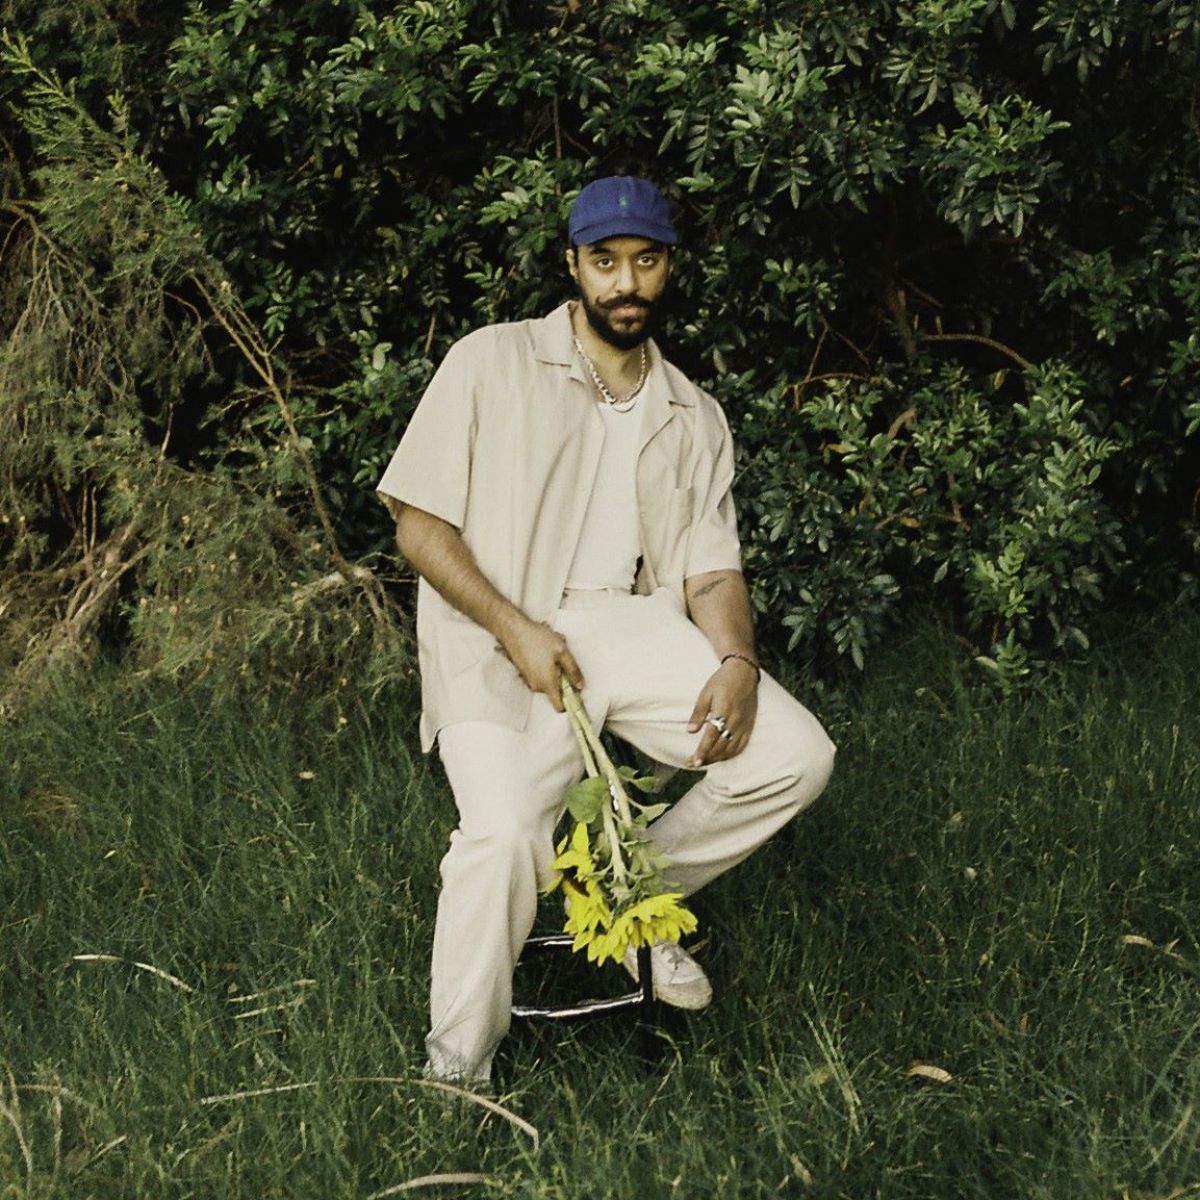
(941, 265)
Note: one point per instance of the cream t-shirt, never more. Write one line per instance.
(609, 544)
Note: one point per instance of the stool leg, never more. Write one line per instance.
(640, 1000)
(645, 977)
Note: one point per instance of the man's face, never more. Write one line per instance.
(620, 281)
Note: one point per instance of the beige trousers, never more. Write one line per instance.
(644, 665)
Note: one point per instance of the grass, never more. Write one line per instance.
(970, 971)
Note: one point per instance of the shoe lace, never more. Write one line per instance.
(672, 954)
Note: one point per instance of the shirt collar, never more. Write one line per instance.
(554, 343)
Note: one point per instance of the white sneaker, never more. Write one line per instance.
(676, 977)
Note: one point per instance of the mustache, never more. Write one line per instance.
(626, 302)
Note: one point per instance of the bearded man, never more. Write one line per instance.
(564, 493)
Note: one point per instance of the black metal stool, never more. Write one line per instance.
(642, 1000)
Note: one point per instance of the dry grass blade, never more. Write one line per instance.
(1182, 1124)
(269, 1008)
(53, 1089)
(15, 1121)
(99, 1154)
(264, 1091)
(818, 1077)
(421, 1181)
(835, 1064)
(57, 1106)
(800, 1170)
(173, 980)
(246, 997)
(920, 1070)
(434, 1085)
(474, 1097)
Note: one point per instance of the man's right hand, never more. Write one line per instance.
(541, 656)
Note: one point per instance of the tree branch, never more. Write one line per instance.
(978, 338)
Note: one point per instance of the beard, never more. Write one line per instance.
(598, 318)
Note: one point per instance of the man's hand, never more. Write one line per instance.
(541, 657)
(730, 696)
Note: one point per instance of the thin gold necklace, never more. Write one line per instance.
(605, 393)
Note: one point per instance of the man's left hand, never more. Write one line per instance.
(730, 700)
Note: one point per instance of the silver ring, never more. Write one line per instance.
(720, 725)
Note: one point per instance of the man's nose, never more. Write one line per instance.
(626, 279)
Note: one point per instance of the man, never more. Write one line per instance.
(564, 493)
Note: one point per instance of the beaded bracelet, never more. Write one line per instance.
(745, 659)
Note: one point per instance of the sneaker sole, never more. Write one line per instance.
(676, 999)
(688, 1003)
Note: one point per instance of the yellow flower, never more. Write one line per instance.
(576, 861)
(657, 918)
(602, 946)
(579, 857)
(587, 911)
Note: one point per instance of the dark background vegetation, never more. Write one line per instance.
(939, 264)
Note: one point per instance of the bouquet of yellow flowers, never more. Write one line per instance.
(611, 872)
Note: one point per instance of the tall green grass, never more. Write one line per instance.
(1001, 894)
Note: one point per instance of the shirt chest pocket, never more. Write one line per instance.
(667, 517)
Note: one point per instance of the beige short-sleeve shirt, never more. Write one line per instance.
(504, 445)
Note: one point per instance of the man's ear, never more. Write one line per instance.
(572, 257)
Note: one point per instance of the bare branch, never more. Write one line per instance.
(978, 338)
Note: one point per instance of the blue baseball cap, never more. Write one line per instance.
(620, 206)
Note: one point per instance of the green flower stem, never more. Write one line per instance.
(595, 762)
(583, 726)
(585, 751)
(614, 844)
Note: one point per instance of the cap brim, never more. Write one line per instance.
(624, 227)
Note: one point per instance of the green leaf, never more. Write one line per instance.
(643, 783)
(586, 798)
(649, 812)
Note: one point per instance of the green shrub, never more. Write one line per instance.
(940, 260)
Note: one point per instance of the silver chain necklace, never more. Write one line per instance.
(605, 393)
